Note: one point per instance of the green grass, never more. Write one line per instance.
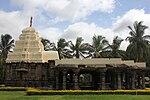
(5, 95)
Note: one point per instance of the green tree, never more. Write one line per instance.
(78, 49)
(99, 44)
(139, 42)
(47, 44)
(114, 51)
(6, 44)
(61, 48)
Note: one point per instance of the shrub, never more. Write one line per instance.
(33, 91)
(2, 85)
(12, 89)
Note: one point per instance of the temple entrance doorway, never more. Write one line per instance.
(21, 76)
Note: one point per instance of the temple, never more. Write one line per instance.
(30, 66)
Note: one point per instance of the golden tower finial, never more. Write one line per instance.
(31, 21)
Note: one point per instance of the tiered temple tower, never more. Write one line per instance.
(30, 49)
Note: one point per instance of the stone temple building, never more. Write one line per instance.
(30, 66)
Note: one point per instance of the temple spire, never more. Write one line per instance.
(31, 21)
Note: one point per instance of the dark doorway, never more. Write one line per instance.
(60, 82)
(70, 81)
(88, 80)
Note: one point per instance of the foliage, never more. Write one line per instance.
(3, 88)
(78, 49)
(47, 44)
(6, 44)
(33, 91)
(139, 42)
(99, 44)
(61, 48)
(113, 49)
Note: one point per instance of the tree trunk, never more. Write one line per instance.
(77, 54)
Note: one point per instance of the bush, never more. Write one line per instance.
(33, 91)
(2, 85)
(12, 89)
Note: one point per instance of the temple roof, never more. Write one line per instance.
(101, 62)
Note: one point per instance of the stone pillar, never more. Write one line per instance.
(119, 81)
(52, 79)
(127, 80)
(38, 72)
(57, 80)
(64, 79)
(51, 75)
(133, 80)
(143, 80)
(76, 83)
(123, 81)
(102, 78)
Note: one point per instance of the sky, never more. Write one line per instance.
(69, 19)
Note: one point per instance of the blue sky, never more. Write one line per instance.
(69, 19)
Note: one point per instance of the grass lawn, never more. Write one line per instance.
(22, 96)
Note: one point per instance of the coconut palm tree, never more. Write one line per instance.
(139, 42)
(61, 48)
(99, 44)
(6, 44)
(113, 49)
(78, 49)
(47, 44)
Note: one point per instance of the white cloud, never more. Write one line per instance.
(76, 9)
(87, 31)
(60, 10)
(129, 18)
(29, 5)
(11, 23)
(52, 34)
(30, 8)
(55, 11)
